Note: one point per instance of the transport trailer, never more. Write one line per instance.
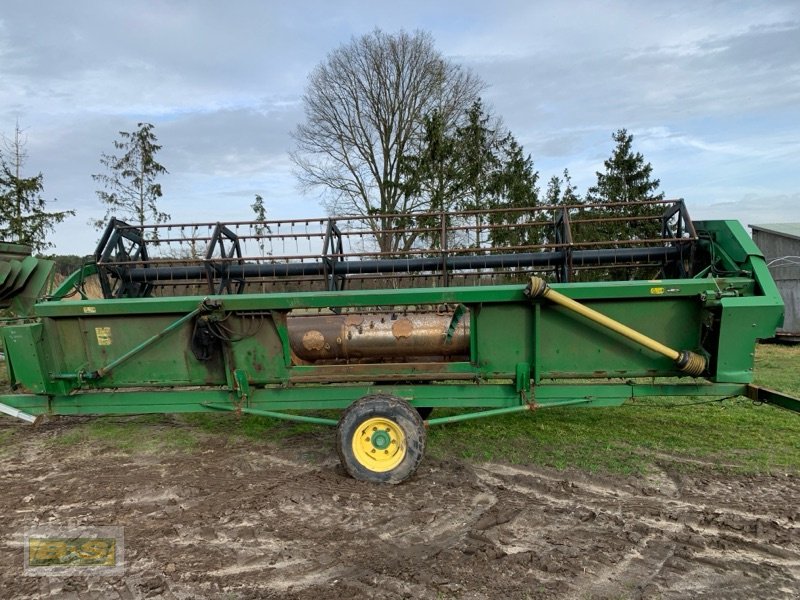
(388, 317)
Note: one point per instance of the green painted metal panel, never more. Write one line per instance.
(732, 238)
(572, 346)
(504, 337)
(285, 301)
(263, 355)
(394, 371)
(745, 319)
(371, 298)
(281, 398)
(14, 269)
(93, 343)
(269, 398)
(37, 283)
(27, 357)
(545, 394)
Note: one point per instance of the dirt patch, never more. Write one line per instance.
(236, 519)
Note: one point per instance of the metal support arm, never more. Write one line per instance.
(762, 394)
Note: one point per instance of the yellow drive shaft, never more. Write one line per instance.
(687, 361)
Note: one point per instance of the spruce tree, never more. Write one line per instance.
(627, 179)
(475, 166)
(514, 185)
(24, 217)
(130, 188)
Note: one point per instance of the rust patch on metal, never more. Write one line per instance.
(353, 319)
(402, 328)
(405, 336)
(313, 340)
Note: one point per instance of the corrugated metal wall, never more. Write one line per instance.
(786, 276)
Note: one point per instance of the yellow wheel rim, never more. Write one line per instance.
(379, 444)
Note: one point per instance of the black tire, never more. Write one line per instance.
(397, 452)
(424, 411)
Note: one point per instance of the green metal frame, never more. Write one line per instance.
(134, 355)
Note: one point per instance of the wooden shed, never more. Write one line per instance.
(780, 243)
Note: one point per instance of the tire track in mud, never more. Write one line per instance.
(237, 519)
(703, 541)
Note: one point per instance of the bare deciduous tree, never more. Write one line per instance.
(364, 111)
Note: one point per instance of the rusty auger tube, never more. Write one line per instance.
(687, 361)
(376, 335)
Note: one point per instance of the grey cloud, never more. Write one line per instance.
(751, 70)
(228, 141)
(752, 209)
(711, 90)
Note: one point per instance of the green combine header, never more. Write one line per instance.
(389, 317)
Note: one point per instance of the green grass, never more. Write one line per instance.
(731, 435)
(147, 434)
(252, 426)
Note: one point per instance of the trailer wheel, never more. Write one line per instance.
(381, 439)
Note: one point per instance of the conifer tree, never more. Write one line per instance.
(130, 187)
(24, 217)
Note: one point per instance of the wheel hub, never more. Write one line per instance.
(381, 439)
(379, 444)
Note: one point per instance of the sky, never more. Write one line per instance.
(710, 91)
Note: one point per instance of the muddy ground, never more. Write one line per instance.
(232, 518)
